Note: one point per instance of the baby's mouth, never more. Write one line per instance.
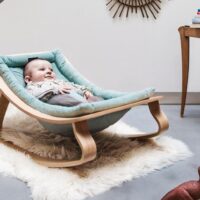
(48, 77)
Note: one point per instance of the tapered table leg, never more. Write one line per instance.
(185, 67)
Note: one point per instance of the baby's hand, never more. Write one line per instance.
(88, 94)
(64, 89)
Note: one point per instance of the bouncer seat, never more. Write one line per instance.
(80, 121)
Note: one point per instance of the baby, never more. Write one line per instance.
(41, 82)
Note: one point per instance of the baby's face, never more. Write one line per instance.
(39, 70)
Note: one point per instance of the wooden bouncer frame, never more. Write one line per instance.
(79, 124)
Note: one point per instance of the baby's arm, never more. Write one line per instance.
(62, 89)
(62, 86)
(67, 86)
(39, 89)
(46, 89)
(82, 90)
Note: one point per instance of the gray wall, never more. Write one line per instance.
(124, 54)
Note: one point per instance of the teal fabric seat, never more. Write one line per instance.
(11, 70)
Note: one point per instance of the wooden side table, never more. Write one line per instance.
(185, 33)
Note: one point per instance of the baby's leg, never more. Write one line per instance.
(71, 99)
(94, 98)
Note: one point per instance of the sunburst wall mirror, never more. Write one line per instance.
(148, 8)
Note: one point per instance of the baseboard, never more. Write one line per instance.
(175, 98)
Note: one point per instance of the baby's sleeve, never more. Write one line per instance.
(80, 88)
(42, 91)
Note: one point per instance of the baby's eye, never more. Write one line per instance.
(42, 69)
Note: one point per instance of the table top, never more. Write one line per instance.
(188, 31)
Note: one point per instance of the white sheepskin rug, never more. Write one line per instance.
(119, 159)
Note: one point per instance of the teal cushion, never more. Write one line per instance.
(11, 69)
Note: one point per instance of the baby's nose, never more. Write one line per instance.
(49, 71)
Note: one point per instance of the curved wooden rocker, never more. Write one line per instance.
(79, 124)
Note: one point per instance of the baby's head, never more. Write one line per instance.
(38, 70)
